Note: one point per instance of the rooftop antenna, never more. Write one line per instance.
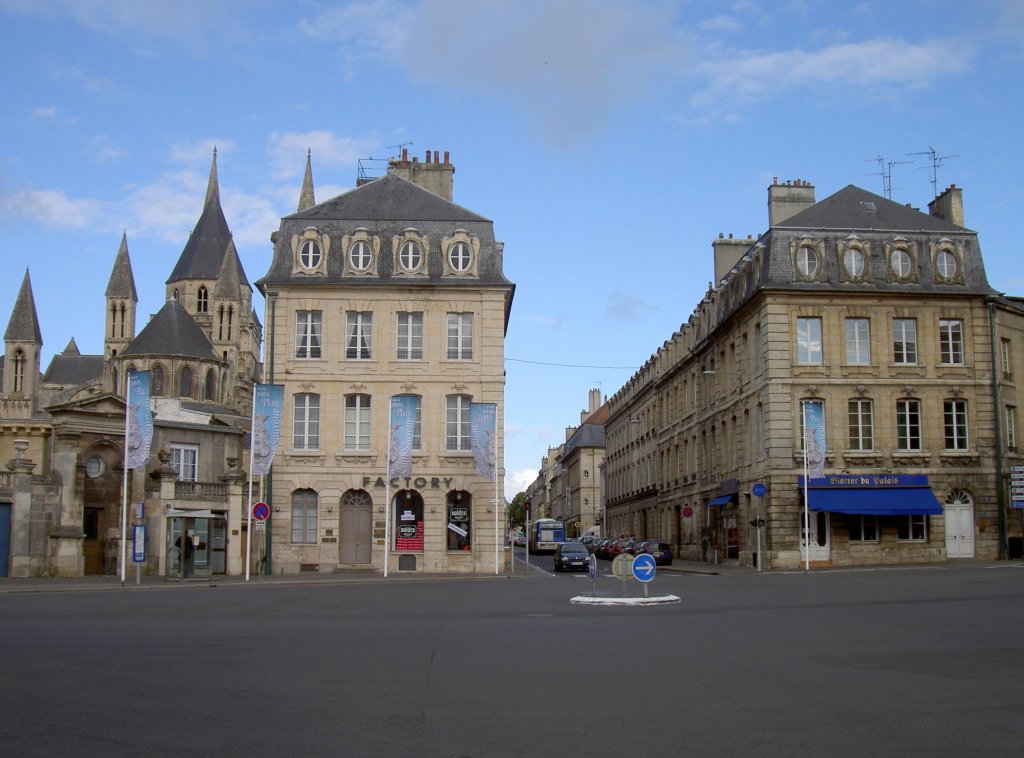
(401, 145)
(937, 161)
(885, 171)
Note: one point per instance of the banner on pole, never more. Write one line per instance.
(482, 438)
(814, 437)
(267, 410)
(139, 420)
(403, 428)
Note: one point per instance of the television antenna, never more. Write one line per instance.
(937, 162)
(885, 171)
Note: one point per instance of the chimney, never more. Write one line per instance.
(949, 205)
(432, 175)
(728, 253)
(787, 200)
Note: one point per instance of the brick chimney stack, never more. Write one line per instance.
(949, 205)
(433, 175)
(787, 200)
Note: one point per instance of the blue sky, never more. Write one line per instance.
(609, 141)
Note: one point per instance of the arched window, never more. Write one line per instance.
(113, 375)
(19, 370)
(185, 382)
(156, 380)
(210, 392)
(231, 313)
(220, 323)
(202, 300)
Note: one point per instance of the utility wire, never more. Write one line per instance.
(570, 365)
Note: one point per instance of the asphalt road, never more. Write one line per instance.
(909, 661)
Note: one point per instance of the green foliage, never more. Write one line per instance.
(517, 509)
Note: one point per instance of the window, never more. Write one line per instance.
(853, 261)
(456, 427)
(951, 341)
(210, 390)
(185, 460)
(862, 528)
(858, 342)
(308, 334)
(459, 256)
(861, 420)
(946, 264)
(908, 424)
(807, 261)
(185, 382)
(19, 371)
(409, 346)
(954, 413)
(460, 336)
(359, 256)
(1011, 428)
(309, 254)
(459, 506)
(912, 528)
(1004, 360)
(156, 379)
(904, 340)
(357, 422)
(808, 341)
(900, 262)
(304, 513)
(410, 256)
(306, 426)
(359, 335)
(202, 300)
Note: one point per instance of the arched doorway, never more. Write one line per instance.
(355, 532)
(959, 515)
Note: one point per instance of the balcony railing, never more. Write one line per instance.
(201, 491)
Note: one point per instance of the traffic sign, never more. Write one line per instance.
(644, 567)
(260, 511)
(592, 567)
(760, 490)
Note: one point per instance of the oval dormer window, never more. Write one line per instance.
(359, 256)
(807, 261)
(853, 260)
(309, 254)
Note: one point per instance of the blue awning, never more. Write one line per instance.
(724, 499)
(875, 501)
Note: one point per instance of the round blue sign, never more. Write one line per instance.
(760, 490)
(644, 567)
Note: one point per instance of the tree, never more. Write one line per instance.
(517, 509)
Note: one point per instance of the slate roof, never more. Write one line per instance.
(172, 331)
(855, 208)
(72, 369)
(24, 323)
(122, 282)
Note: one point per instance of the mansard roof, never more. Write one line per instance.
(172, 331)
(122, 281)
(24, 323)
(73, 369)
(854, 208)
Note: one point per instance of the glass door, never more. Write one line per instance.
(817, 537)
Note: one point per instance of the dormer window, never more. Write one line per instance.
(901, 263)
(359, 255)
(310, 254)
(410, 257)
(853, 262)
(807, 261)
(460, 257)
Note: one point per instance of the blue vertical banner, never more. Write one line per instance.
(267, 413)
(401, 431)
(483, 430)
(138, 431)
(814, 437)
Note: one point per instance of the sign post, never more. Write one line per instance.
(644, 568)
(759, 492)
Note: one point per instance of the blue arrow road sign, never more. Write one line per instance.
(644, 567)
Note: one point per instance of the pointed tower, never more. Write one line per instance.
(306, 197)
(122, 300)
(23, 343)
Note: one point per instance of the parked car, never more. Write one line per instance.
(661, 551)
(617, 548)
(571, 556)
(600, 546)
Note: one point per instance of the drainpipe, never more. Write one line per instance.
(1000, 484)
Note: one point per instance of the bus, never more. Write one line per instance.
(545, 534)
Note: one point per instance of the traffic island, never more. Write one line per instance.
(594, 600)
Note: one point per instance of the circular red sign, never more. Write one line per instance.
(260, 511)
(688, 512)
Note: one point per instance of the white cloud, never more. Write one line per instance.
(363, 32)
(622, 306)
(517, 481)
(287, 152)
(51, 207)
(101, 150)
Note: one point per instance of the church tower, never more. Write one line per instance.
(122, 300)
(23, 343)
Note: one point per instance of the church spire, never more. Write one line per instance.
(213, 188)
(24, 323)
(122, 281)
(306, 199)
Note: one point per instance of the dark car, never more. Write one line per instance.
(660, 551)
(600, 545)
(572, 556)
(616, 548)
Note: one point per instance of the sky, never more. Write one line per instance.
(609, 141)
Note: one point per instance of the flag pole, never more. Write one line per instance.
(252, 461)
(124, 480)
(807, 512)
(387, 494)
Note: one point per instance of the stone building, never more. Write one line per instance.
(389, 289)
(870, 313)
(62, 430)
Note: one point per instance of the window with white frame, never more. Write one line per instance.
(185, 460)
(456, 427)
(359, 255)
(862, 429)
(808, 341)
(304, 515)
(951, 341)
(862, 528)
(306, 426)
(417, 425)
(460, 336)
(954, 413)
(1011, 428)
(904, 340)
(308, 335)
(309, 254)
(410, 256)
(357, 422)
(409, 345)
(359, 335)
(912, 528)
(1004, 359)
(908, 424)
(858, 342)
(459, 257)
